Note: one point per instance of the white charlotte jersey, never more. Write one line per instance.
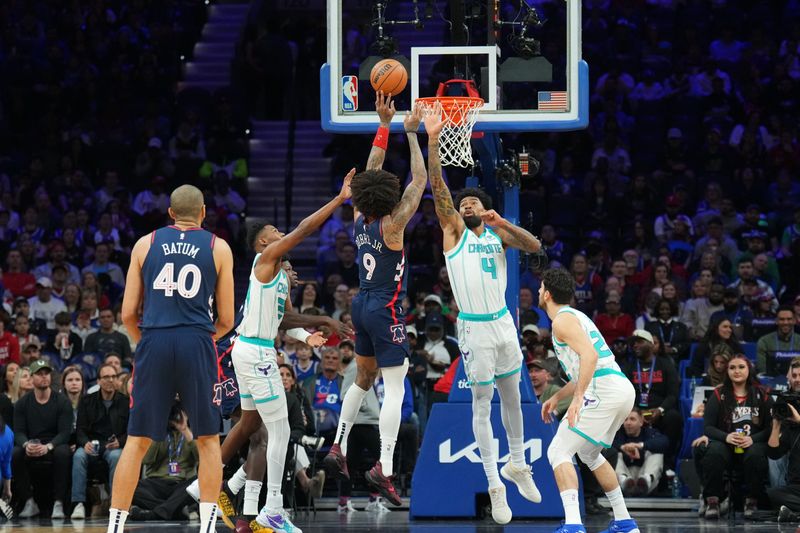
(477, 270)
(570, 360)
(264, 306)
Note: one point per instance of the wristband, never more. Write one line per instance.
(299, 334)
(381, 139)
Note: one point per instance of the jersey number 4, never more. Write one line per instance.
(165, 280)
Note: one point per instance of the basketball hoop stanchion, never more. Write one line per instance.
(460, 114)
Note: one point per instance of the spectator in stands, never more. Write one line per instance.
(7, 375)
(304, 363)
(640, 461)
(72, 297)
(16, 277)
(763, 317)
(739, 315)
(150, 205)
(720, 332)
(698, 310)
(784, 491)
(439, 351)
(613, 323)
(30, 353)
(58, 257)
(9, 344)
(169, 467)
(717, 366)
(657, 387)
(345, 265)
(665, 224)
(22, 384)
(324, 389)
(103, 265)
(107, 339)
(309, 297)
(587, 284)
(102, 417)
(301, 421)
(725, 245)
(672, 334)
(83, 325)
(776, 350)
(44, 306)
(737, 422)
(73, 386)
(42, 425)
(337, 229)
(542, 373)
(231, 204)
(746, 271)
(64, 341)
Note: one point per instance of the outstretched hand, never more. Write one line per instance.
(384, 105)
(316, 339)
(434, 120)
(412, 120)
(346, 193)
(492, 218)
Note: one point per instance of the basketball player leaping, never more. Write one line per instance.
(177, 273)
(379, 322)
(475, 239)
(602, 397)
(254, 356)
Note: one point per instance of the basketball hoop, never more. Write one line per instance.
(460, 113)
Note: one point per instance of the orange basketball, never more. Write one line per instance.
(389, 76)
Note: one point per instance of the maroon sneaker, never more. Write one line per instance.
(384, 484)
(336, 463)
(243, 526)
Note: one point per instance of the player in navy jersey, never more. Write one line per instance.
(178, 276)
(380, 221)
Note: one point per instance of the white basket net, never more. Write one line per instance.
(460, 113)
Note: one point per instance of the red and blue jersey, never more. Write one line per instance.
(180, 279)
(381, 270)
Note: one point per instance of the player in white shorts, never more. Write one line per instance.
(254, 356)
(602, 397)
(475, 239)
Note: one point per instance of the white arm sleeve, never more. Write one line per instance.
(299, 334)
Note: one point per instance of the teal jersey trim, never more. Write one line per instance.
(506, 374)
(587, 437)
(274, 281)
(487, 317)
(265, 400)
(460, 244)
(495, 234)
(267, 343)
(245, 396)
(608, 372)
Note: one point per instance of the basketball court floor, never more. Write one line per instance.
(398, 522)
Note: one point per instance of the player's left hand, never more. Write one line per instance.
(346, 193)
(574, 411)
(316, 340)
(492, 218)
(341, 328)
(434, 121)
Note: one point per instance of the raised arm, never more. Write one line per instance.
(449, 219)
(384, 105)
(309, 225)
(510, 234)
(395, 226)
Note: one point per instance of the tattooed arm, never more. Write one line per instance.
(385, 108)
(510, 234)
(449, 219)
(395, 224)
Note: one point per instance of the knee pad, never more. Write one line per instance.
(592, 458)
(557, 455)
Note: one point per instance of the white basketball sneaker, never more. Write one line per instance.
(501, 512)
(523, 478)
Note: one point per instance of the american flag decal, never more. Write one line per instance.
(552, 100)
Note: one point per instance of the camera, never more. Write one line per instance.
(780, 409)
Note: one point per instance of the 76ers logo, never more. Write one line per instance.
(398, 332)
(227, 387)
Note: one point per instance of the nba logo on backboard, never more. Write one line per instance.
(349, 93)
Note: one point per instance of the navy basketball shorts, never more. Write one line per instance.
(180, 360)
(380, 329)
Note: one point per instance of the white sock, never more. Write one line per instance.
(208, 517)
(116, 520)
(572, 509)
(618, 504)
(482, 429)
(391, 412)
(252, 490)
(278, 431)
(237, 480)
(350, 406)
(517, 455)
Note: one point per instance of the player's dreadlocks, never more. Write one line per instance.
(375, 193)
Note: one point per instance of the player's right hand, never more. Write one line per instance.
(384, 105)
(548, 408)
(412, 120)
(316, 340)
(346, 193)
(341, 328)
